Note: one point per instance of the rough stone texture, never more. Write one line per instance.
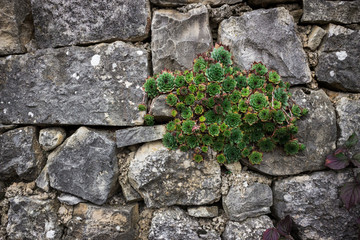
(4, 128)
(94, 222)
(265, 3)
(250, 229)
(21, 154)
(165, 178)
(176, 38)
(317, 131)
(159, 109)
(2, 190)
(30, 218)
(248, 196)
(338, 59)
(97, 85)
(326, 11)
(175, 224)
(268, 36)
(50, 138)
(314, 204)
(85, 165)
(132, 136)
(204, 211)
(15, 26)
(42, 181)
(64, 22)
(69, 199)
(169, 3)
(315, 37)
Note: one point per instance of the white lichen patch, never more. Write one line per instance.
(139, 53)
(341, 55)
(95, 60)
(30, 114)
(128, 84)
(332, 73)
(76, 76)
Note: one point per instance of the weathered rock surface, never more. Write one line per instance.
(15, 26)
(85, 165)
(203, 211)
(313, 202)
(268, 36)
(159, 109)
(4, 128)
(176, 38)
(319, 143)
(168, 3)
(315, 37)
(30, 218)
(97, 85)
(345, 12)
(80, 22)
(250, 229)
(69, 199)
(94, 222)
(248, 196)
(166, 178)
(338, 59)
(21, 154)
(265, 3)
(131, 136)
(175, 224)
(50, 138)
(2, 190)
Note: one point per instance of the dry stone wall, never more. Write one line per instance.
(77, 162)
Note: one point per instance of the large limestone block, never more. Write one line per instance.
(317, 131)
(131, 136)
(339, 58)
(327, 11)
(165, 178)
(268, 36)
(110, 222)
(21, 154)
(97, 85)
(313, 202)
(31, 218)
(70, 22)
(85, 165)
(176, 38)
(15, 26)
(169, 3)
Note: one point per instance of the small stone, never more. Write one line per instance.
(159, 109)
(130, 194)
(315, 37)
(203, 212)
(169, 3)
(69, 199)
(4, 128)
(176, 38)
(132, 136)
(234, 167)
(50, 138)
(265, 3)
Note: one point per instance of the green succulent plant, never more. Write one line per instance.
(149, 119)
(165, 82)
(215, 73)
(221, 55)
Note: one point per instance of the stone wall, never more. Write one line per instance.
(76, 161)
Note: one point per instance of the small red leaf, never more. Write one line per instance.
(350, 194)
(356, 159)
(335, 162)
(271, 234)
(284, 226)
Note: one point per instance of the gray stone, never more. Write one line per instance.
(317, 131)
(97, 85)
(131, 136)
(247, 197)
(61, 23)
(268, 36)
(21, 154)
(250, 229)
(204, 211)
(30, 218)
(265, 3)
(129, 192)
(344, 12)
(315, 37)
(159, 109)
(50, 138)
(169, 3)
(42, 181)
(175, 224)
(94, 222)
(2, 190)
(15, 26)
(165, 178)
(314, 204)
(339, 56)
(69, 199)
(176, 38)
(85, 165)
(4, 128)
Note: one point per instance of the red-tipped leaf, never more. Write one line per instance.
(271, 234)
(336, 162)
(284, 226)
(350, 194)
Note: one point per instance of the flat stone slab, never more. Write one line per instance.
(21, 154)
(339, 56)
(268, 36)
(314, 204)
(166, 178)
(85, 165)
(317, 131)
(344, 12)
(131, 136)
(69, 22)
(176, 38)
(203, 211)
(169, 3)
(97, 85)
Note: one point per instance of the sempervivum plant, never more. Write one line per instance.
(236, 113)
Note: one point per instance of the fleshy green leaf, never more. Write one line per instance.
(338, 160)
(284, 226)
(271, 234)
(350, 194)
(352, 141)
